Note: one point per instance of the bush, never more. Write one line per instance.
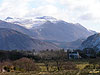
(7, 66)
(25, 64)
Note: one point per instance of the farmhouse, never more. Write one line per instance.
(74, 55)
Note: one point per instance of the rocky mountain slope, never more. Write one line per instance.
(67, 45)
(92, 42)
(49, 28)
(16, 27)
(60, 31)
(11, 40)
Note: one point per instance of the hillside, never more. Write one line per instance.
(16, 27)
(60, 31)
(49, 28)
(12, 40)
(92, 42)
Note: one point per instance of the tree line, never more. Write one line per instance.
(57, 59)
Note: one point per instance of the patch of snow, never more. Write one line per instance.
(31, 22)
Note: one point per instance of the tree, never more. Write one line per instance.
(57, 56)
(45, 57)
(90, 52)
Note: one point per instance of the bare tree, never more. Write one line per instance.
(57, 56)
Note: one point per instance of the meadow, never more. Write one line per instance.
(83, 67)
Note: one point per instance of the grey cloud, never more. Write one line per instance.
(87, 16)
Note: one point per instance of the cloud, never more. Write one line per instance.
(47, 10)
(14, 8)
(86, 16)
(83, 6)
(85, 12)
(50, 1)
(72, 9)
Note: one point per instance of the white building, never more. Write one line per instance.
(74, 55)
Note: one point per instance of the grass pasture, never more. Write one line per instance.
(83, 68)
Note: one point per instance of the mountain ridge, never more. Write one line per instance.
(49, 28)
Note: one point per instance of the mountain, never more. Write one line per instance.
(74, 44)
(30, 22)
(11, 40)
(49, 28)
(16, 27)
(92, 42)
(67, 45)
(60, 31)
(8, 18)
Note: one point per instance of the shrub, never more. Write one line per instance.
(7, 66)
(25, 64)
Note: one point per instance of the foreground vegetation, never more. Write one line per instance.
(75, 68)
(46, 63)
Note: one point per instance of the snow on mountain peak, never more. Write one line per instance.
(31, 22)
(48, 18)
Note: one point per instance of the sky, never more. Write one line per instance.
(85, 12)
